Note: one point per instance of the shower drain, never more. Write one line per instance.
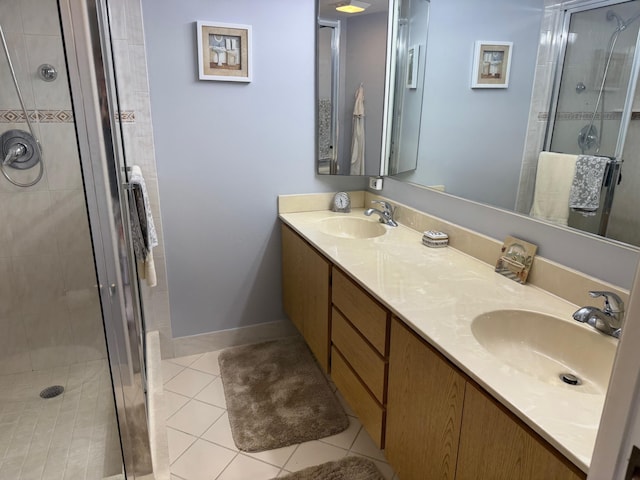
(51, 392)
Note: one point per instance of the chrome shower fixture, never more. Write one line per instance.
(622, 24)
(588, 138)
(47, 72)
(19, 149)
(611, 15)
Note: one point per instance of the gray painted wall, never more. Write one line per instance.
(224, 152)
(472, 139)
(365, 57)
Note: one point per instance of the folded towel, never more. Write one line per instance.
(587, 183)
(553, 185)
(143, 230)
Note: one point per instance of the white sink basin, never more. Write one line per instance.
(545, 347)
(352, 227)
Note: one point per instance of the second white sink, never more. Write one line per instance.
(546, 347)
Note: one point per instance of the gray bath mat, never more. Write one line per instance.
(348, 468)
(277, 396)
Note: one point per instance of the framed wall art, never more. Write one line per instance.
(491, 64)
(224, 52)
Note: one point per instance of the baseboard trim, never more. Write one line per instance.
(208, 342)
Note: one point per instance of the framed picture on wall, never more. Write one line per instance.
(224, 52)
(491, 64)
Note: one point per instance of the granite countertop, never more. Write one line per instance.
(438, 292)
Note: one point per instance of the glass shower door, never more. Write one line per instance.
(592, 110)
(57, 412)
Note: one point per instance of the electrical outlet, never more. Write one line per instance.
(375, 183)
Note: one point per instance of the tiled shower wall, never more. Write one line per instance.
(49, 308)
(133, 87)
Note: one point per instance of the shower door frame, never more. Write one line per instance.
(560, 40)
(334, 25)
(87, 45)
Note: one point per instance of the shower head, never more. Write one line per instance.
(622, 24)
(611, 15)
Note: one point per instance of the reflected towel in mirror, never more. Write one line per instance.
(357, 134)
(554, 178)
(587, 184)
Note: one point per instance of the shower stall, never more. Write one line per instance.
(72, 386)
(592, 110)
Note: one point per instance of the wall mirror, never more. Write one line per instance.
(571, 90)
(354, 90)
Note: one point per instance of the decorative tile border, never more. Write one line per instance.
(127, 116)
(54, 116)
(586, 116)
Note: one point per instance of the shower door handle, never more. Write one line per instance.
(113, 288)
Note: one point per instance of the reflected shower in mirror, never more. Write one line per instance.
(574, 97)
(351, 85)
(411, 43)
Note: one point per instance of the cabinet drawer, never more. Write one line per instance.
(370, 413)
(364, 360)
(361, 310)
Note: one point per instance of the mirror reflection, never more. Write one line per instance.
(570, 95)
(351, 85)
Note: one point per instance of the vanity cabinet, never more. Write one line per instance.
(433, 421)
(306, 277)
(424, 409)
(440, 425)
(360, 352)
(496, 445)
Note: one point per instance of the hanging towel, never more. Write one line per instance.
(553, 184)
(143, 230)
(587, 183)
(357, 134)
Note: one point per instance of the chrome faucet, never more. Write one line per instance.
(386, 214)
(608, 320)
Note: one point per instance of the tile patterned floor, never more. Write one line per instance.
(200, 443)
(72, 436)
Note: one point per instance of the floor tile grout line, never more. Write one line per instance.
(227, 465)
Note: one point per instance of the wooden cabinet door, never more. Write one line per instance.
(424, 409)
(305, 292)
(494, 446)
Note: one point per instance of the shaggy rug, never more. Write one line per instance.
(348, 468)
(277, 395)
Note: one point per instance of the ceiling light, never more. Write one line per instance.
(352, 6)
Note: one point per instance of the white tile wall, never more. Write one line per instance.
(133, 88)
(48, 303)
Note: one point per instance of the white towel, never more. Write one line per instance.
(587, 183)
(143, 227)
(553, 185)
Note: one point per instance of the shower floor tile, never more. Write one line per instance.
(213, 455)
(73, 435)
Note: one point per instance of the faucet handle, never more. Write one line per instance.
(612, 302)
(388, 208)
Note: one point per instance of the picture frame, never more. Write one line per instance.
(491, 64)
(224, 51)
(413, 58)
